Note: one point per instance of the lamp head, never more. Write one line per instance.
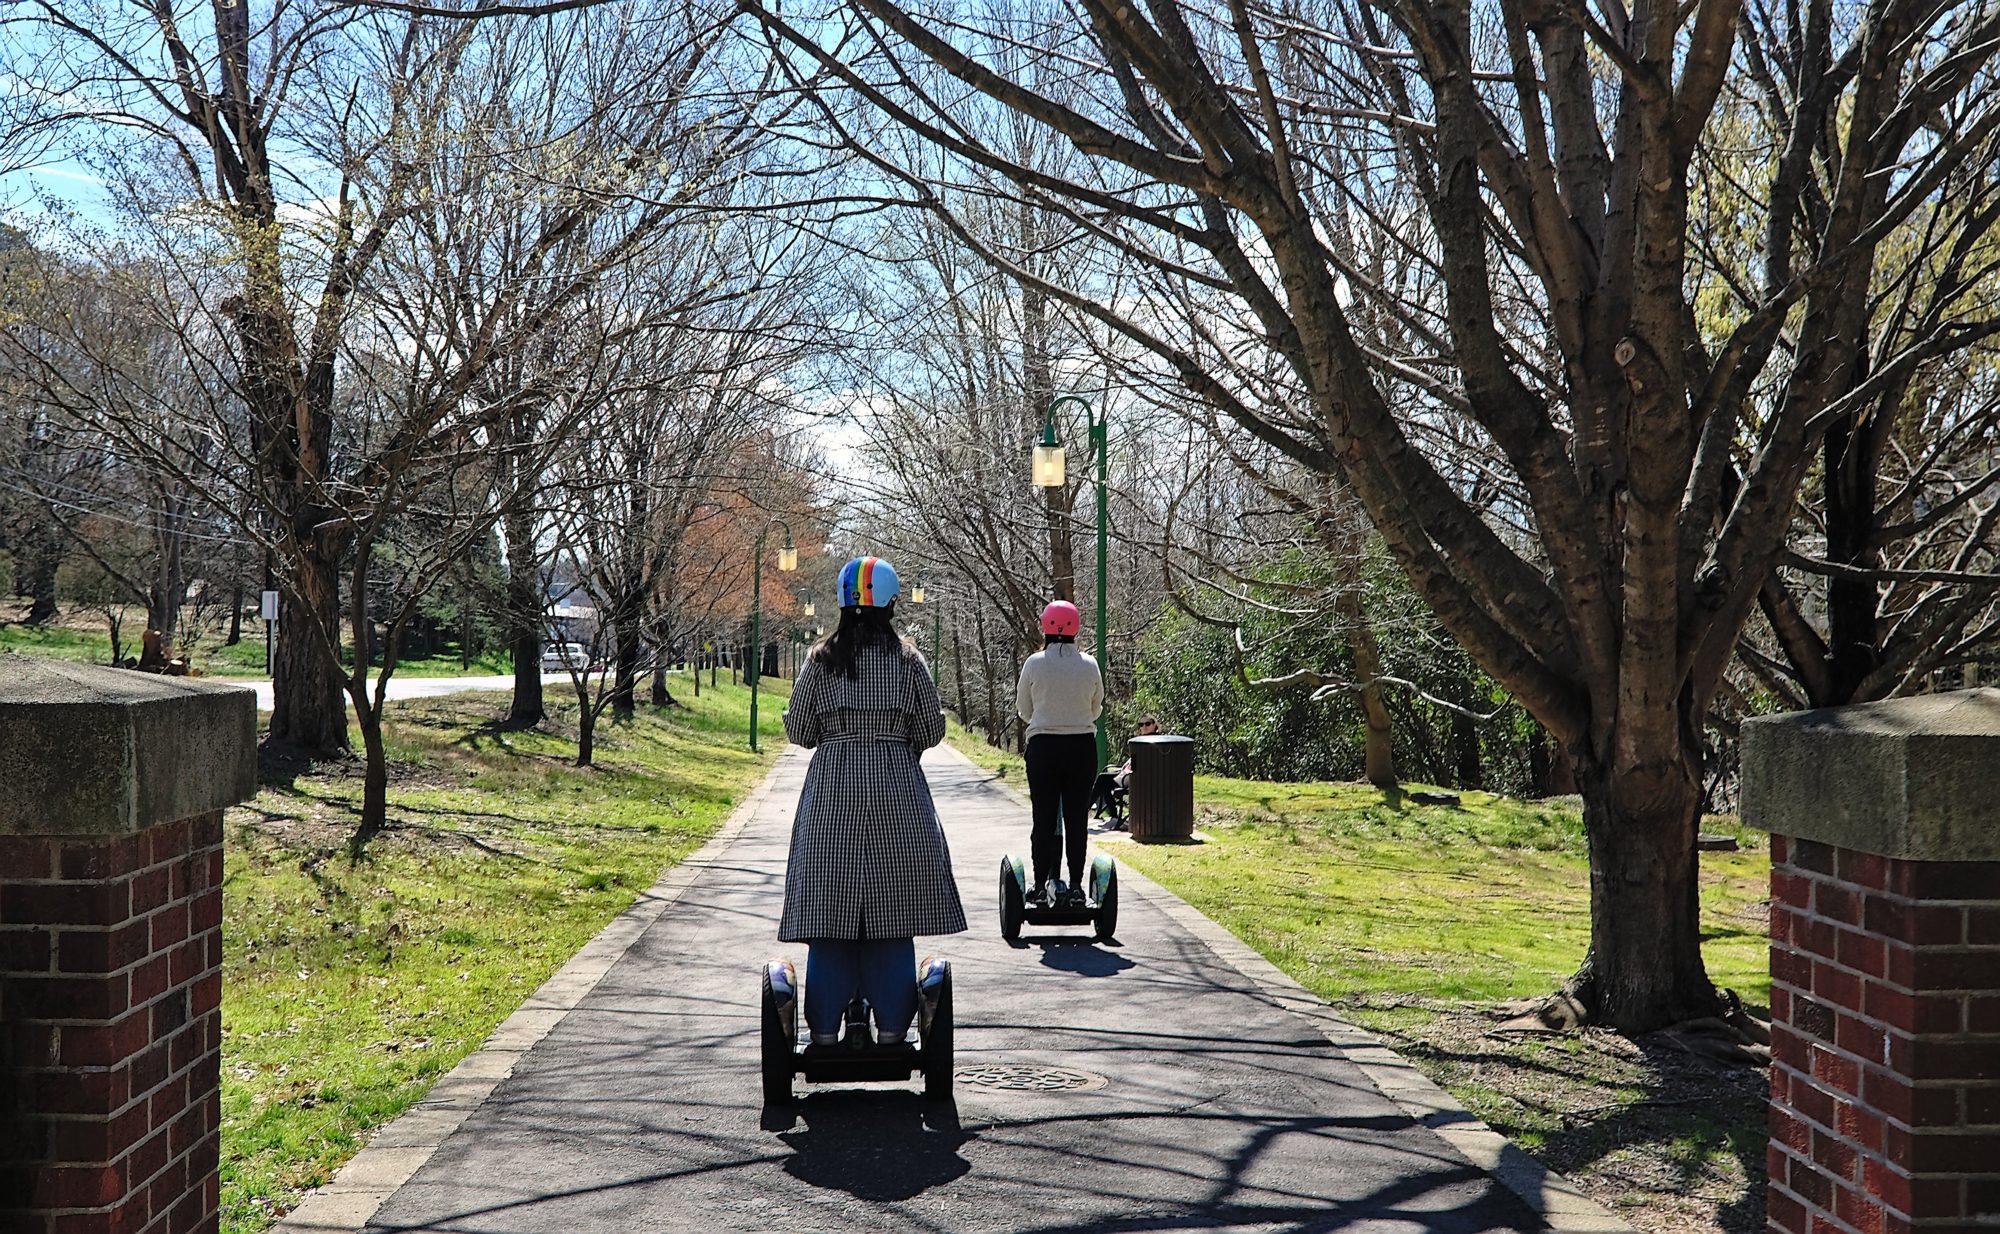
(1049, 460)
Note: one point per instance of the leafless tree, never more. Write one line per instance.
(1639, 423)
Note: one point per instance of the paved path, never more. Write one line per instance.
(412, 687)
(1222, 1107)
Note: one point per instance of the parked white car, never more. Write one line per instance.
(561, 657)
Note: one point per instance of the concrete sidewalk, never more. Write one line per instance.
(1209, 1093)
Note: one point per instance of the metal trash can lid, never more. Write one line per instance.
(1162, 739)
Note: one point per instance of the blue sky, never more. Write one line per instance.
(28, 194)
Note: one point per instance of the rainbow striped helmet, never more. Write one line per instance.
(868, 582)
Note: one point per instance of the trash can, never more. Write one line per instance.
(1162, 801)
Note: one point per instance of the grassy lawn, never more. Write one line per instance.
(1424, 922)
(89, 642)
(347, 988)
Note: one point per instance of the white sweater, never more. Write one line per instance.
(1060, 691)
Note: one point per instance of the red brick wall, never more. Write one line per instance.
(1885, 1083)
(110, 1028)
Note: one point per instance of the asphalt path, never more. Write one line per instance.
(411, 687)
(1207, 1106)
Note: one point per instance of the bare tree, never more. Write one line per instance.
(1644, 441)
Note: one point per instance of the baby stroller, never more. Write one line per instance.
(1108, 800)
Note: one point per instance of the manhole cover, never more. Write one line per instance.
(1029, 1079)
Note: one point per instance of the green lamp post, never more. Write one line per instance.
(1048, 470)
(917, 594)
(788, 560)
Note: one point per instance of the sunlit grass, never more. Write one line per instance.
(211, 656)
(347, 988)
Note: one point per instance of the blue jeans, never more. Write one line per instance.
(881, 970)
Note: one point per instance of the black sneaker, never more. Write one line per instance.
(1038, 898)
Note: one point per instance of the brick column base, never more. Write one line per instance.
(111, 977)
(1885, 964)
(111, 944)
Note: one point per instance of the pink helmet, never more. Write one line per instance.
(1061, 618)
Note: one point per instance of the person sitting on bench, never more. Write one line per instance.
(1114, 787)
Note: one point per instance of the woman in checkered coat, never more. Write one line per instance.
(869, 867)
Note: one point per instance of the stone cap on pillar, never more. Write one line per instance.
(1913, 778)
(88, 750)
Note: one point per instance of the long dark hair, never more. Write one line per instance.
(858, 627)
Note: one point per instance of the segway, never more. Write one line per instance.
(856, 1057)
(1096, 906)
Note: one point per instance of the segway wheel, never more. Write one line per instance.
(777, 1044)
(1104, 890)
(1013, 906)
(937, 1047)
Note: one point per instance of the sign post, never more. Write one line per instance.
(269, 612)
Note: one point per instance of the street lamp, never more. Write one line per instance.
(1049, 473)
(788, 560)
(937, 623)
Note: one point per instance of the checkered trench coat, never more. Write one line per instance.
(868, 858)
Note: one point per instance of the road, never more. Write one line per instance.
(1203, 1102)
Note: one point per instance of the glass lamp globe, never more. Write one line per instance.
(917, 594)
(788, 558)
(1048, 468)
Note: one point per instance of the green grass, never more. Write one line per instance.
(1360, 895)
(1005, 763)
(211, 656)
(347, 988)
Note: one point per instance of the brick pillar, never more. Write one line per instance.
(1885, 962)
(111, 944)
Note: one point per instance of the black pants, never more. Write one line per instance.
(1061, 769)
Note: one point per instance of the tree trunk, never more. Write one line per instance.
(986, 670)
(1853, 642)
(169, 590)
(1465, 750)
(38, 579)
(235, 615)
(374, 783)
(958, 670)
(1378, 752)
(1538, 764)
(1644, 966)
(310, 704)
(661, 696)
(586, 731)
(524, 623)
(625, 681)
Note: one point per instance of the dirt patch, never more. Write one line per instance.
(1671, 1140)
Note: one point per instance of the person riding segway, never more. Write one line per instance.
(869, 867)
(1059, 697)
